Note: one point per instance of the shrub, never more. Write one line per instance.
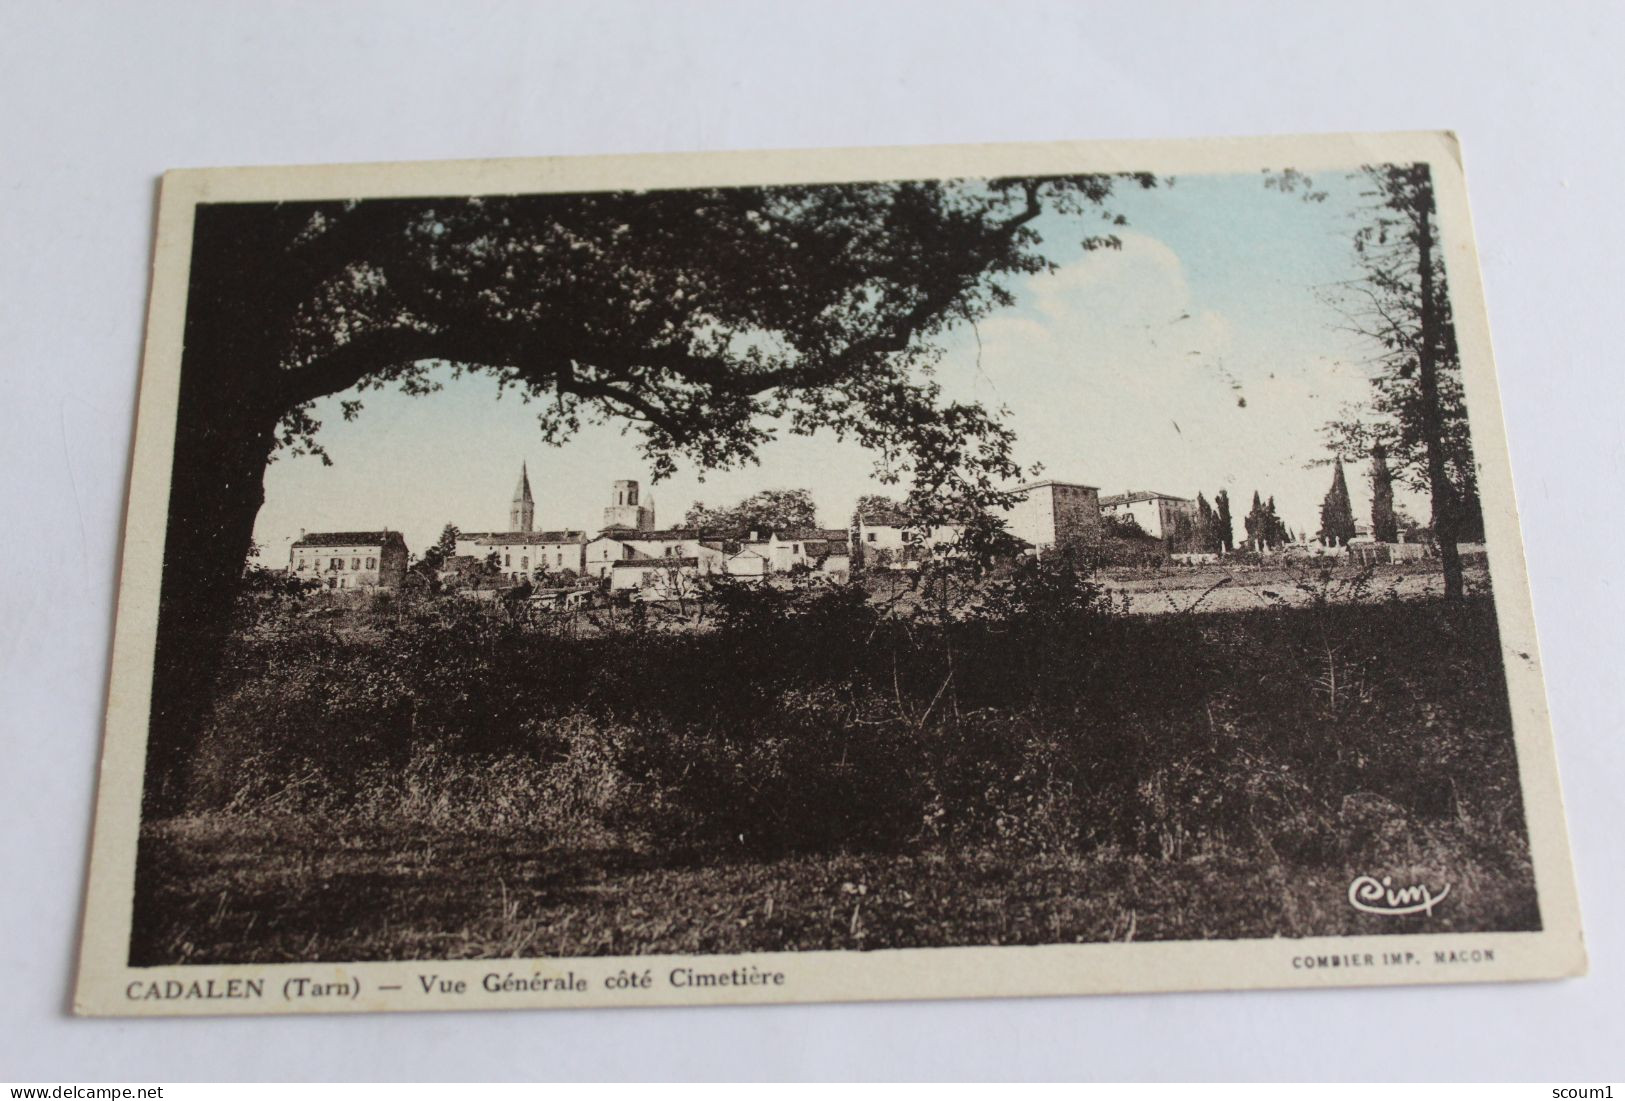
(808, 720)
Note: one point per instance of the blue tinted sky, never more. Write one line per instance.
(1200, 356)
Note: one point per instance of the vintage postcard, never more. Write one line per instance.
(813, 576)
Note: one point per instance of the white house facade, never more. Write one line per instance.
(1160, 515)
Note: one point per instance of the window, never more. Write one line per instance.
(524, 563)
(301, 563)
(336, 564)
(372, 563)
(355, 563)
(870, 536)
(507, 560)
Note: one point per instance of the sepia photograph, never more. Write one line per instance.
(746, 577)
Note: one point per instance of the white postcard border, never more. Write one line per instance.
(108, 986)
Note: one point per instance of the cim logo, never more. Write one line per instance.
(1380, 896)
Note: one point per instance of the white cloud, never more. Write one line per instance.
(1117, 376)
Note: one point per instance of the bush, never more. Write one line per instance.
(807, 720)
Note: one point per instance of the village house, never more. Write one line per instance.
(1160, 515)
(350, 559)
(667, 576)
(673, 543)
(830, 554)
(675, 579)
(600, 555)
(623, 545)
(884, 538)
(522, 555)
(748, 563)
(825, 550)
(1055, 515)
(897, 546)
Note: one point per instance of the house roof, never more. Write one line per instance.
(664, 535)
(1042, 482)
(517, 538)
(885, 516)
(350, 539)
(1135, 496)
(831, 535)
(645, 563)
(823, 548)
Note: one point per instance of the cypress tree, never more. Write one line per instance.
(1227, 535)
(1276, 530)
(1336, 513)
(1384, 522)
(1207, 534)
(1257, 523)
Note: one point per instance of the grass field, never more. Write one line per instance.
(432, 781)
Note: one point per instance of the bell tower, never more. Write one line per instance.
(522, 515)
(627, 512)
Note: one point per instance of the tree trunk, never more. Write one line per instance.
(1445, 528)
(222, 445)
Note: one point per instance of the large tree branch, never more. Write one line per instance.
(347, 364)
(493, 347)
(491, 343)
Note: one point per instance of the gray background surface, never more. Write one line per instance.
(98, 99)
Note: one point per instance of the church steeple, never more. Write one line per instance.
(522, 516)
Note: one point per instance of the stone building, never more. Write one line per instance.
(600, 555)
(1053, 515)
(522, 555)
(747, 563)
(620, 545)
(626, 512)
(350, 559)
(886, 543)
(823, 549)
(1160, 515)
(670, 575)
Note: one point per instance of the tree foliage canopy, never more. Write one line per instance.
(1384, 518)
(771, 510)
(1400, 303)
(1336, 510)
(1223, 528)
(1264, 525)
(698, 316)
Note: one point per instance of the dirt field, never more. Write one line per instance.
(1248, 588)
